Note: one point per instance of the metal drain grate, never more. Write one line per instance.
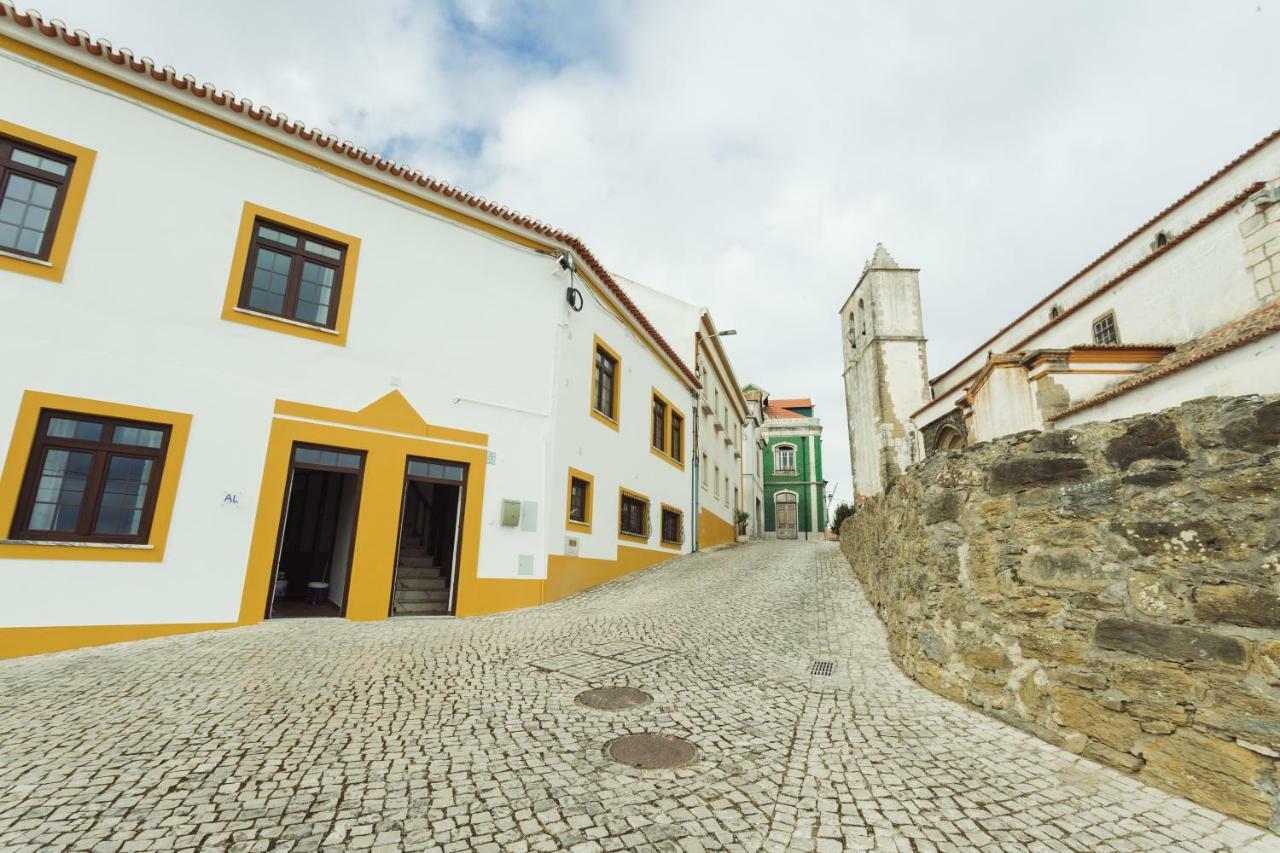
(822, 667)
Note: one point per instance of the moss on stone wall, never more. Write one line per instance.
(1113, 588)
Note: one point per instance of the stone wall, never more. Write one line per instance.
(1112, 588)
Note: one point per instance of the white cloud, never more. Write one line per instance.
(748, 155)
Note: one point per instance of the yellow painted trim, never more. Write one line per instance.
(311, 161)
(378, 515)
(567, 575)
(570, 524)
(610, 419)
(20, 642)
(72, 205)
(390, 412)
(346, 293)
(714, 530)
(15, 467)
(666, 431)
(631, 537)
(664, 543)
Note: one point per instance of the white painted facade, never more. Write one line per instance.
(753, 449)
(470, 326)
(1209, 262)
(718, 413)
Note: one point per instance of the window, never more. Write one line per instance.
(717, 481)
(704, 468)
(1104, 329)
(604, 384)
(666, 431)
(1055, 312)
(578, 511)
(726, 489)
(659, 430)
(672, 526)
(292, 275)
(633, 515)
(33, 190)
(1162, 240)
(784, 458)
(91, 479)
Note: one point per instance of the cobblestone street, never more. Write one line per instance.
(464, 735)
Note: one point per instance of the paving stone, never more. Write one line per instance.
(439, 735)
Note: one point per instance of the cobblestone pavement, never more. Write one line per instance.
(444, 735)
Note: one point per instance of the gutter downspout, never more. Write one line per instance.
(696, 470)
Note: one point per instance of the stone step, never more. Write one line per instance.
(409, 596)
(420, 572)
(403, 582)
(421, 608)
(410, 561)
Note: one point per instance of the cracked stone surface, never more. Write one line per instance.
(445, 736)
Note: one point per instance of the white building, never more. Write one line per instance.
(720, 410)
(1185, 306)
(251, 371)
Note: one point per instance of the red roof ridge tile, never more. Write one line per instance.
(102, 48)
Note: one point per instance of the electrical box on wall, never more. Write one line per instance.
(510, 513)
(571, 546)
(524, 565)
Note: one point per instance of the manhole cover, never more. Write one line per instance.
(652, 752)
(614, 698)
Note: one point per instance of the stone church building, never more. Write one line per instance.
(1185, 306)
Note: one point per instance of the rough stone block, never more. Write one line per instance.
(1170, 537)
(1238, 604)
(1032, 471)
(1153, 478)
(1153, 681)
(1242, 709)
(988, 657)
(1056, 441)
(1154, 437)
(1149, 594)
(1168, 642)
(1074, 709)
(1215, 772)
(1257, 432)
(1069, 569)
(943, 506)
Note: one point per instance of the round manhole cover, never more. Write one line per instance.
(652, 752)
(614, 698)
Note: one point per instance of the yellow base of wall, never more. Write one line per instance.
(567, 575)
(20, 642)
(714, 530)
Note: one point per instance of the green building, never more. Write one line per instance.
(794, 488)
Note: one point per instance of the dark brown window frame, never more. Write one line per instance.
(611, 411)
(676, 442)
(8, 168)
(298, 254)
(586, 500)
(679, 522)
(95, 483)
(658, 424)
(622, 515)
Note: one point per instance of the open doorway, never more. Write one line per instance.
(317, 536)
(430, 525)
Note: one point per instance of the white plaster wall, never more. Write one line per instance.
(1251, 369)
(620, 458)
(1003, 405)
(1197, 277)
(719, 501)
(463, 324)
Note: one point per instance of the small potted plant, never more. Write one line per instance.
(742, 518)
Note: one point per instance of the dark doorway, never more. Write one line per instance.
(317, 537)
(430, 528)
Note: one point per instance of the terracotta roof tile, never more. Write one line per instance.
(775, 411)
(56, 30)
(1251, 327)
(793, 403)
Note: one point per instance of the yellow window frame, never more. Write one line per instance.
(610, 419)
(55, 267)
(666, 455)
(15, 467)
(244, 237)
(569, 523)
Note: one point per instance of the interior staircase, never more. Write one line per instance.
(422, 588)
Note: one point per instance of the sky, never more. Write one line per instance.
(748, 156)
